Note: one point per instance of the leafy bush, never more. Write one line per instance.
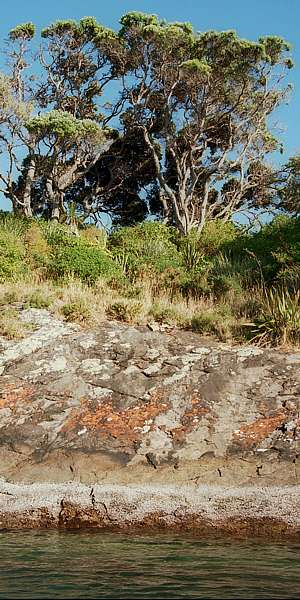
(76, 311)
(124, 311)
(149, 244)
(275, 249)
(12, 255)
(217, 236)
(88, 263)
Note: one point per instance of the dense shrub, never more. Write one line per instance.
(76, 311)
(149, 245)
(274, 250)
(86, 263)
(215, 236)
(12, 255)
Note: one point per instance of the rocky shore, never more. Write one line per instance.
(262, 512)
(125, 427)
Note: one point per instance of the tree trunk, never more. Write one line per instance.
(27, 208)
(54, 201)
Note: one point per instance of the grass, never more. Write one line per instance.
(262, 318)
(74, 300)
(11, 327)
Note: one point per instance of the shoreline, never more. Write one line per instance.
(270, 512)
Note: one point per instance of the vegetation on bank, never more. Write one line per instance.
(168, 133)
(223, 282)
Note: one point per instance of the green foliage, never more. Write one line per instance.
(279, 321)
(216, 236)
(231, 272)
(216, 79)
(59, 28)
(149, 245)
(136, 18)
(275, 250)
(25, 31)
(83, 255)
(193, 255)
(63, 125)
(76, 311)
(88, 263)
(195, 65)
(151, 265)
(12, 254)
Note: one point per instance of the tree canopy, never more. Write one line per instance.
(152, 117)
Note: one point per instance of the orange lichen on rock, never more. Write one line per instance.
(126, 423)
(191, 417)
(251, 434)
(198, 409)
(11, 395)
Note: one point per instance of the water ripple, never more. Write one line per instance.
(104, 565)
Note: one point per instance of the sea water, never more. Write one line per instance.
(93, 564)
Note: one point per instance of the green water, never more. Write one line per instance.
(104, 565)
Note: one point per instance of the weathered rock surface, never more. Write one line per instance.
(268, 512)
(126, 405)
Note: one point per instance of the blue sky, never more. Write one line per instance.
(250, 19)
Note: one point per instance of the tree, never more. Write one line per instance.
(287, 186)
(121, 183)
(70, 147)
(191, 111)
(66, 133)
(202, 103)
(15, 108)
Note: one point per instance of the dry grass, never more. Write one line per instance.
(77, 302)
(11, 327)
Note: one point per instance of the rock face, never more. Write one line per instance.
(126, 405)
